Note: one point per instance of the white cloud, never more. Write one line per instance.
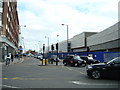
(44, 18)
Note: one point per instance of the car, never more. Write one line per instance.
(74, 60)
(35, 56)
(110, 69)
(89, 60)
(39, 56)
(53, 58)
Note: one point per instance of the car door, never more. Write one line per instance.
(113, 68)
(116, 67)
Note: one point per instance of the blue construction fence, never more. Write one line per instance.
(101, 56)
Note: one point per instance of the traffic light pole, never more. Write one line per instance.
(57, 54)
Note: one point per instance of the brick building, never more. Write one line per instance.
(9, 28)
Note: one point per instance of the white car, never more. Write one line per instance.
(39, 57)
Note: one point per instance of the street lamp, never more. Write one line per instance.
(23, 44)
(67, 36)
(20, 36)
(19, 27)
(57, 43)
(48, 43)
(39, 43)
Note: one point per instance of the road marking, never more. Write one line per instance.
(4, 78)
(75, 71)
(20, 61)
(68, 68)
(9, 86)
(18, 78)
(82, 83)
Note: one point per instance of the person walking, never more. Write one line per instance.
(7, 60)
(12, 57)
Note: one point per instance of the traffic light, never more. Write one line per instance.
(69, 47)
(52, 47)
(57, 46)
(43, 47)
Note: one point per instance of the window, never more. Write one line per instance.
(1, 10)
(1, 3)
(117, 61)
(0, 16)
(77, 58)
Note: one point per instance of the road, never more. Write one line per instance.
(31, 74)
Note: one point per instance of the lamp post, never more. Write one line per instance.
(39, 43)
(58, 44)
(19, 28)
(67, 36)
(48, 43)
(57, 47)
(23, 44)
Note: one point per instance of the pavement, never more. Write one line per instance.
(15, 61)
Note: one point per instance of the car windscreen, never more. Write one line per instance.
(77, 58)
(117, 59)
(84, 58)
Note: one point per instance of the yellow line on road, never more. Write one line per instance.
(5, 78)
(17, 78)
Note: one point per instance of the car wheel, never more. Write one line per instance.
(76, 64)
(96, 74)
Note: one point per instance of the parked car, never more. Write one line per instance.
(74, 60)
(109, 69)
(53, 58)
(35, 56)
(89, 60)
(39, 56)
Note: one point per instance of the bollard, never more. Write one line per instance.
(46, 61)
(43, 62)
(56, 62)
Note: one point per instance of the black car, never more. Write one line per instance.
(110, 69)
(74, 60)
(89, 60)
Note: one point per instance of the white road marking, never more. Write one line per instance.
(75, 71)
(9, 86)
(82, 83)
(69, 68)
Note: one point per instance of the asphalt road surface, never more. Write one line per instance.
(29, 73)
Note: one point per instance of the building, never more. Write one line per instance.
(107, 40)
(79, 42)
(9, 31)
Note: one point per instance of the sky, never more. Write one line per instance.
(43, 18)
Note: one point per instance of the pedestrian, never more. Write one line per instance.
(57, 60)
(7, 60)
(12, 57)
